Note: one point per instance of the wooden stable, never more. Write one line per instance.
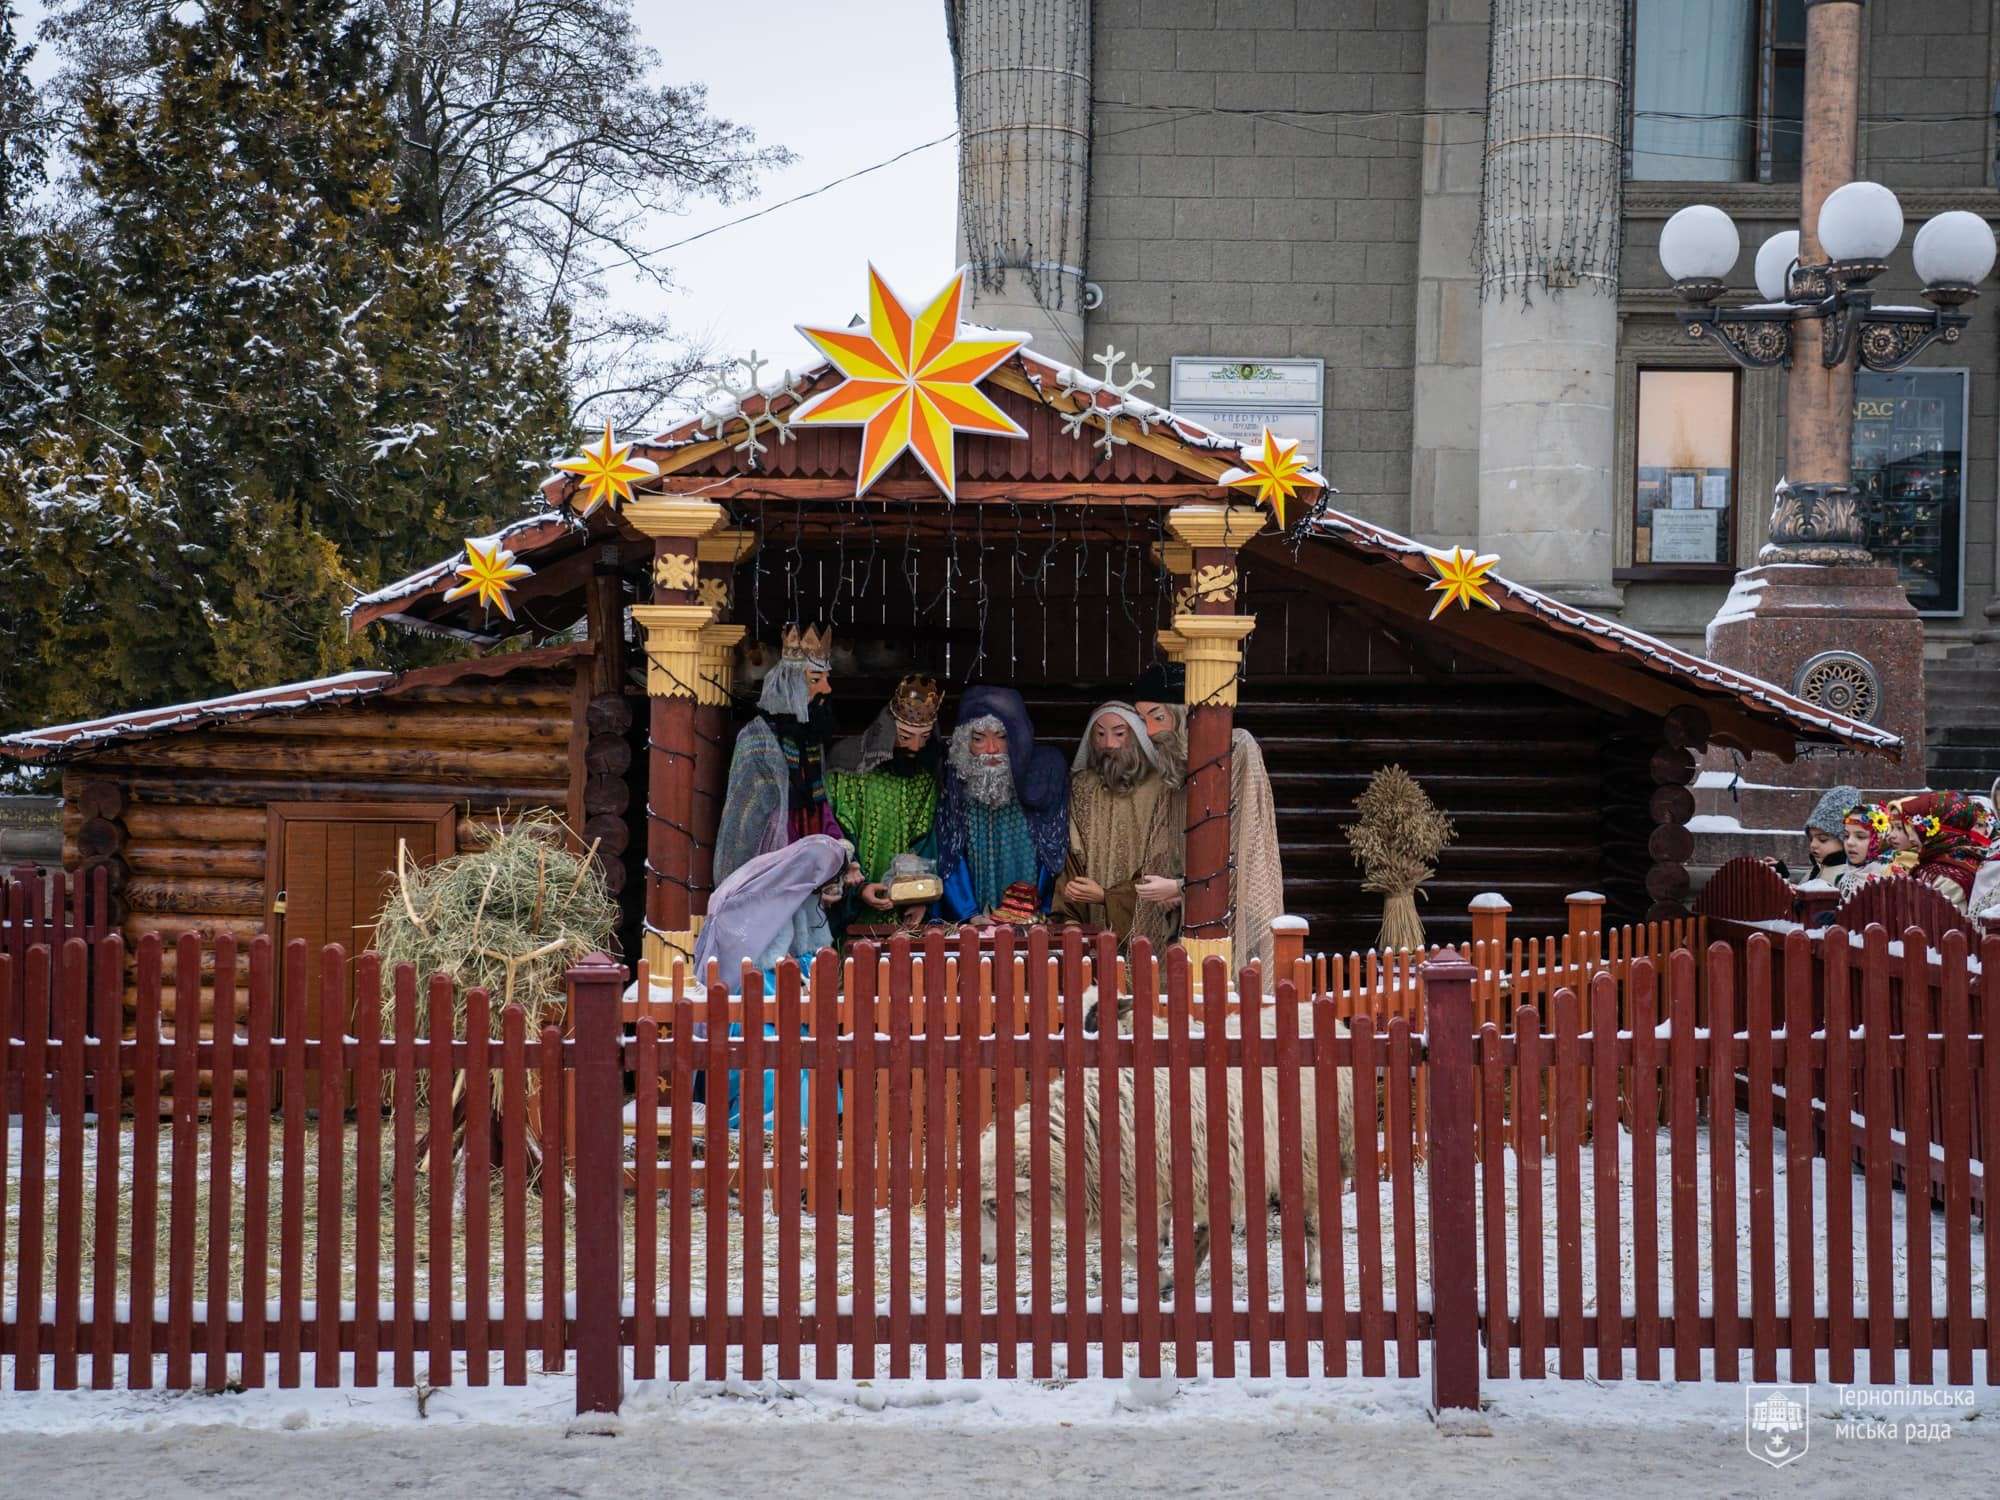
(1562, 745)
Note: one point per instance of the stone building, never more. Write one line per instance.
(1235, 183)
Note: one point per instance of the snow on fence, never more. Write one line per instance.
(1670, 1193)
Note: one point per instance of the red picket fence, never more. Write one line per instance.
(1660, 1175)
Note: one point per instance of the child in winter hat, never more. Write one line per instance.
(1824, 827)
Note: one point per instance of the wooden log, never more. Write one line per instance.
(1686, 727)
(100, 837)
(188, 897)
(170, 927)
(98, 798)
(1667, 882)
(604, 795)
(550, 691)
(611, 834)
(608, 755)
(1670, 843)
(117, 871)
(1670, 767)
(229, 792)
(1671, 804)
(149, 824)
(309, 758)
(608, 713)
(614, 873)
(417, 723)
(228, 861)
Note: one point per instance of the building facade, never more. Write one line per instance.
(1449, 212)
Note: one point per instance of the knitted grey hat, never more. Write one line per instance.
(1831, 809)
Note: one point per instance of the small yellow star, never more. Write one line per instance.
(1462, 577)
(489, 573)
(607, 472)
(1274, 472)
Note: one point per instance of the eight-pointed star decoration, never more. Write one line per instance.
(1462, 577)
(912, 381)
(1273, 472)
(489, 571)
(606, 472)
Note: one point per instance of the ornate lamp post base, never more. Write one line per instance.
(1816, 523)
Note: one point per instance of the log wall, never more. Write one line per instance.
(193, 818)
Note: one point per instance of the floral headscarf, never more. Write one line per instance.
(1948, 824)
(1872, 817)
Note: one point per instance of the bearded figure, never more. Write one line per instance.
(1257, 875)
(884, 785)
(777, 790)
(1004, 820)
(1126, 825)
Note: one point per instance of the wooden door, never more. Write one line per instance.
(335, 866)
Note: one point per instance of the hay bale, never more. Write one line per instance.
(509, 918)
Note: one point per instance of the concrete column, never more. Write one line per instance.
(1444, 440)
(1024, 164)
(1549, 280)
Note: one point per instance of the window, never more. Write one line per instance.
(1909, 448)
(1718, 90)
(1684, 483)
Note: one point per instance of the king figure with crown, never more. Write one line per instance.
(777, 776)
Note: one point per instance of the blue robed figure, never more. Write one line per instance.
(1004, 819)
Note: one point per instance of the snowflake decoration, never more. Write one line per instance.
(489, 573)
(1463, 578)
(732, 383)
(1125, 399)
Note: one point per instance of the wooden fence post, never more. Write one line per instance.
(1489, 921)
(1288, 947)
(596, 995)
(1454, 1220)
(1586, 924)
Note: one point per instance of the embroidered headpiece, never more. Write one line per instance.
(811, 645)
(916, 702)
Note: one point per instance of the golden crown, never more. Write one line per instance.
(916, 702)
(809, 645)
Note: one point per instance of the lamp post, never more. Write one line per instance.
(1816, 517)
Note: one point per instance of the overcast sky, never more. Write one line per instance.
(844, 86)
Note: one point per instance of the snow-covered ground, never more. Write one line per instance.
(1097, 1437)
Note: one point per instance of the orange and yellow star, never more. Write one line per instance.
(1463, 578)
(489, 573)
(605, 473)
(1273, 472)
(912, 382)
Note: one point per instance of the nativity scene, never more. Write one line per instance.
(936, 631)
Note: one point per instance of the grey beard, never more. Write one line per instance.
(1171, 747)
(1121, 769)
(988, 779)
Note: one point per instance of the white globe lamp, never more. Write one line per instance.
(1954, 253)
(1698, 249)
(1774, 263)
(1860, 222)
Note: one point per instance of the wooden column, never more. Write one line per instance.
(718, 553)
(1213, 634)
(1683, 737)
(672, 625)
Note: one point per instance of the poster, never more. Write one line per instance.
(1715, 492)
(1680, 491)
(1686, 536)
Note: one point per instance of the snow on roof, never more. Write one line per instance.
(529, 531)
(39, 744)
